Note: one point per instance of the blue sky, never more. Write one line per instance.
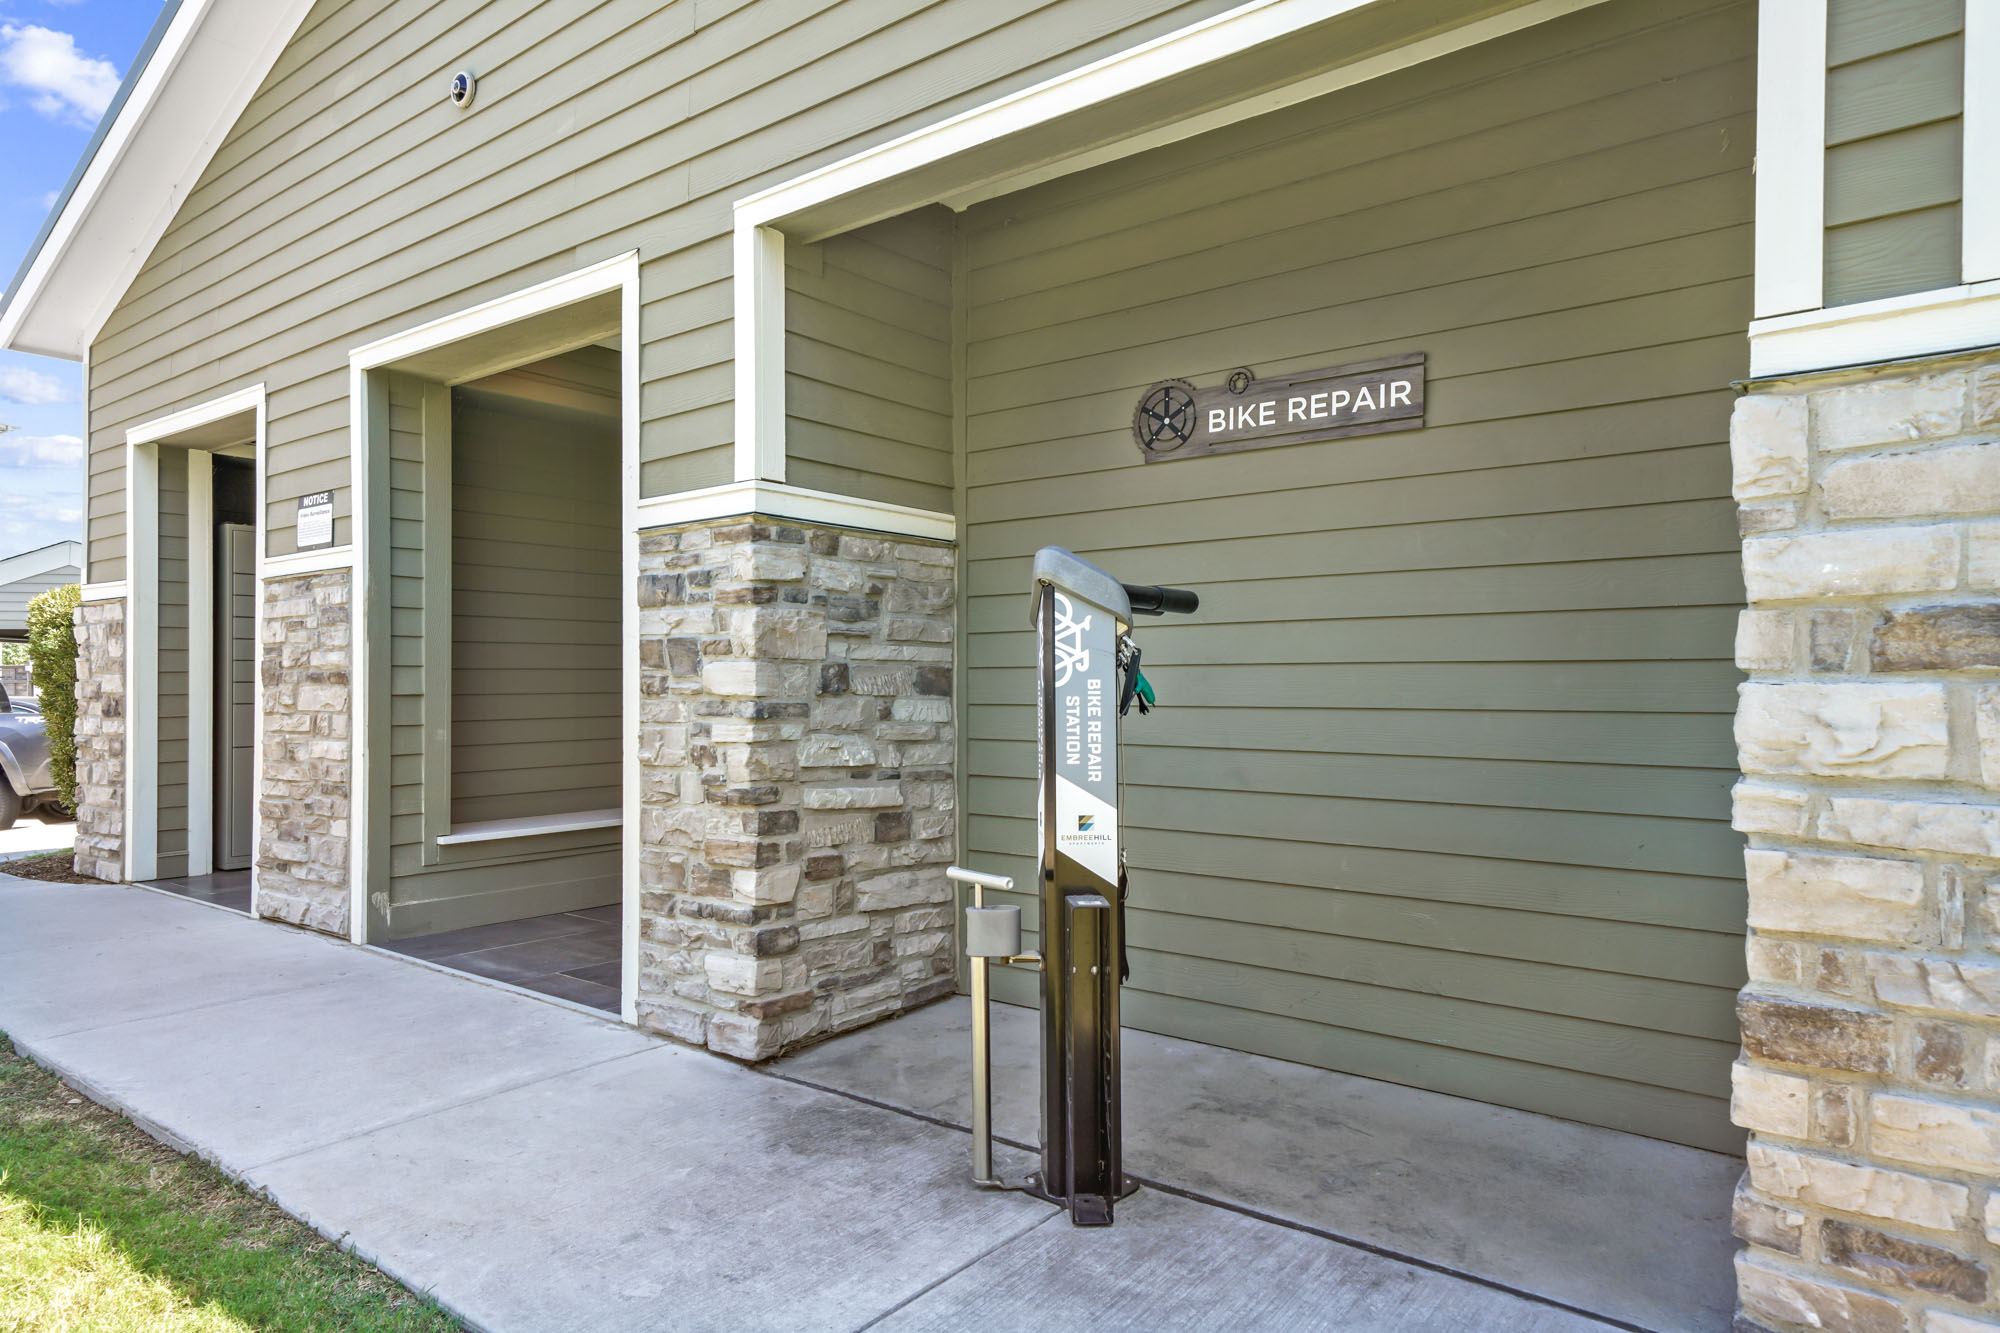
(60, 61)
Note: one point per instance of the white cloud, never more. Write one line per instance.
(49, 199)
(31, 521)
(62, 83)
(40, 451)
(32, 387)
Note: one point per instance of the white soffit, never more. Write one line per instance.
(171, 116)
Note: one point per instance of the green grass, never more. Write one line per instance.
(104, 1228)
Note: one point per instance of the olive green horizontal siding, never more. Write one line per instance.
(170, 777)
(524, 713)
(352, 201)
(1438, 791)
(535, 542)
(1895, 94)
(868, 362)
(1858, 29)
(409, 709)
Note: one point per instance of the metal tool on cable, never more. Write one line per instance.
(1083, 620)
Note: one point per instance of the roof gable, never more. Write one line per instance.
(200, 67)
(42, 560)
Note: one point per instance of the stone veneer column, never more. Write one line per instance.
(797, 755)
(100, 739)
(1869, 738)
(303, 806)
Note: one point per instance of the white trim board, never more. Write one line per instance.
(114, 591)
(759, 306)
(631, 866)
(201, 666)
(1791, 156)
(1896, 327)
(794, 502)
(260, 537)
(305, 562)
(247, 399)
(365, 413)
(531, 826)
(1979, 214)
(142, 645)
(569, 289)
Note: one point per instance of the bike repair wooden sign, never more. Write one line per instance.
(1176, 420)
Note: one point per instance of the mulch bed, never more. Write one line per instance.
(56, 867)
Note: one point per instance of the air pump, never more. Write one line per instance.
(1087, 676)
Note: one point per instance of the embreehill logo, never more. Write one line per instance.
(1071, 655)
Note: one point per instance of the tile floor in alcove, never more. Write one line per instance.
(571, 955)
(224, 888)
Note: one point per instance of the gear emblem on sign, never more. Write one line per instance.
(1166, 417)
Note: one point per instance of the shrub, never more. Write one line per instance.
(52, 666)
(13, 654)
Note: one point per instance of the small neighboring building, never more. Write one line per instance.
(26, 576)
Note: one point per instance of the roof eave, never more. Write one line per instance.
(198, 69)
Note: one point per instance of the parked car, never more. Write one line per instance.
(27, 783)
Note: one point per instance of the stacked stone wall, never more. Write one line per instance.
(100, 739)
(797, 759)
(303, 805)
(1869, 737)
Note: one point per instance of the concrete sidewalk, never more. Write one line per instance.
(535, 1167)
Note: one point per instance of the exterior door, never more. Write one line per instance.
(235, 702)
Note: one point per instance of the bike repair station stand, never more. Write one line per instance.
(1083, 624)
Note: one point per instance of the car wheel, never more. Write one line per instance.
(10, 805)
(53, 811)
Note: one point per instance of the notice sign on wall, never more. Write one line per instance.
(1177, 420)
(315, 520)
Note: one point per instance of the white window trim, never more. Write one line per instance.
(759, 298)
(619, 273)
(140, 588)
(1791, 156)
